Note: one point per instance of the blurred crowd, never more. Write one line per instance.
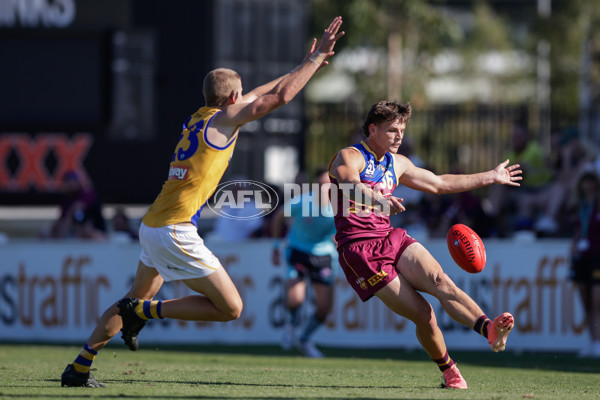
(82, 215)
(545, 205)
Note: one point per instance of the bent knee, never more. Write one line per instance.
(233, 312)
(425, 317)
(443, 283)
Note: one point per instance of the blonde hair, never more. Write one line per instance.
(219, 84)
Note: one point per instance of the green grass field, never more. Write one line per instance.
(215, 372)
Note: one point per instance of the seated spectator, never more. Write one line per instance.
(80, 211)
(464, 208)
(512, 207)
(121, 226)
(570, 157)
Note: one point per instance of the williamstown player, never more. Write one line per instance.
(381, 261)
(171, 247)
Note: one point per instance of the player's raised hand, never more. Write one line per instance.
(331, 36)
(321, 52)
(508, 175)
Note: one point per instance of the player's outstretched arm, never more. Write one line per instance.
(508, 174)
(426, 181)
(267, 87)
(280, 91)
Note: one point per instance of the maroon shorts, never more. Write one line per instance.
(370, 264)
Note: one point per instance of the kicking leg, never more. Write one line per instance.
(425, 274)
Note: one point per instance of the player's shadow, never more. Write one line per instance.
(555, 361)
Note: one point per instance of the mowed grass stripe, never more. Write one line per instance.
(266, 372)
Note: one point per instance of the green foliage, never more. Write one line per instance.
(568, 29)
(409, 34)
(490, 30)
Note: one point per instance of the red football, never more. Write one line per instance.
(466, 248)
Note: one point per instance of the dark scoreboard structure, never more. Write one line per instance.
(102, 87)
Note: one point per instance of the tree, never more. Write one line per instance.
(407, 33)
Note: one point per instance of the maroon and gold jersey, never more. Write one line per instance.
(356, 221)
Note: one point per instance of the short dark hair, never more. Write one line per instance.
(386, 111)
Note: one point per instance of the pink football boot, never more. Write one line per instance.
(498, 331)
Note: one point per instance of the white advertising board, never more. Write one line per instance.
(54, 292)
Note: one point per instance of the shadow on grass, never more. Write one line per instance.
(98, 395)
(98, 392)
(545, 361)
(249, 384)
(559, 361)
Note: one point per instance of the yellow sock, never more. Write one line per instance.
(149, 309)
(84, 360)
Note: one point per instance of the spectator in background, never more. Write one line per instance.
(585, 255)
(569, 156)
(121, 226)
(440, 212)
(310, 255)
(465, 208)
(80, 211)
(514, 210)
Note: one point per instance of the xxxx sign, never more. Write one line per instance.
(32, 152)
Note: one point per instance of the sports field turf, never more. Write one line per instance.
(216, 372)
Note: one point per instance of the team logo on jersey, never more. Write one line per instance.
(361, 282)
(178, 172)
(375, 279)
(244, 199)
(370, 168)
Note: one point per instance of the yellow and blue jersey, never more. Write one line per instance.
(195, 170)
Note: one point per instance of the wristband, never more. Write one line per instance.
(276, 245)
(317, 57)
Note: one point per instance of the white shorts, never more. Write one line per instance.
(177, 252)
